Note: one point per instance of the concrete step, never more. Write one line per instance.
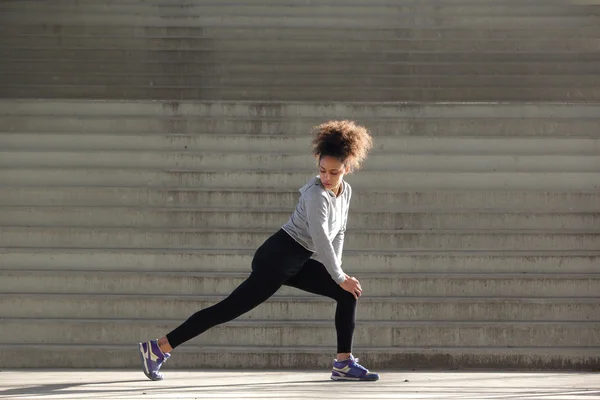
(365, 180)
(355, 262)
(268, 218)
(381, 200)
(288, 45)
(300, 93)
(389, 240)
(394, 309)
(239, 357)
(298, 57)
(375, 3)
(374, 285)
(364, 10)
(307, 333)
(275, 81)
(258, 32)
(183, 133)
(577, 17)
(55, 66)
(280, 112)
(266, 161)
(287, 143)
(211, 57)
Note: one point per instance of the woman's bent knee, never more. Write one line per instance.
(346, 298)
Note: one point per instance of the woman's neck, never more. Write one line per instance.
(338, 190)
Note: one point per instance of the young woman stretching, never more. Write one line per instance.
(305, 253)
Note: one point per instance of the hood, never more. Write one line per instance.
(314, 181)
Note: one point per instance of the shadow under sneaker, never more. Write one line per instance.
(351, 370)
(152, 359)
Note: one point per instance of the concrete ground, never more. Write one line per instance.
(288, 385)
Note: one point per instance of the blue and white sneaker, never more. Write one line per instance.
(351, 370)
(152, 359)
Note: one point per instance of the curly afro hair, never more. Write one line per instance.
(345, 140)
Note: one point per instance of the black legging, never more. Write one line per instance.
(279, 261)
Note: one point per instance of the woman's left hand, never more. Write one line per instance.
(352, 285)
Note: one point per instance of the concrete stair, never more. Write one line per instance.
(473, 229)
(445, 50)
(147, 149)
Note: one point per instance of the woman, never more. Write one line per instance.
(305, 253)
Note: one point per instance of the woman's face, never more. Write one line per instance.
(331, 172)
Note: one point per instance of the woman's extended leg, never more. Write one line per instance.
(249, 294)
(274, 262)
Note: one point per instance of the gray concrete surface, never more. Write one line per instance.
(362, 67)
(296, 385)
(476, 238)
(192, 131)
(292, 111)
(294, 144)
(371, 334)
(474, 253)
(296, 308)
(249, 238)
(364, 51)
(324, 9)
(323, 81)
(237, 260)
(263, 218)
(427, 200)
(299, 357)
(367, 46)
(365, 180)
(375, 284)
(231, 161)
(75, 28)
(516, 92)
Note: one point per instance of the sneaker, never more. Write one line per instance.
(152, 359)
(351, 370)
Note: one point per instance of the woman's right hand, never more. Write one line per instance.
(352, 285)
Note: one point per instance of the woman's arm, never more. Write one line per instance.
(338, 240)
(317, 211)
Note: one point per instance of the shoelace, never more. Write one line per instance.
(357, 365)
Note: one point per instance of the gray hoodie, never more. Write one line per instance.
(319, 224)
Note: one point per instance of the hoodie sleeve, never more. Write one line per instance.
(317, 211)
(338, 240)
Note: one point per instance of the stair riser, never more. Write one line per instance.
(298, 57)
(354, 262)
(313, 10)
(435, 334)
(236, 219)
(89, 306)
(365, 180)
(14, 282)
(465, 69)
(304, 162)
(287, 199)
(288, 45)
(285, 111)
(296, 3)
(358, 240)
(283, 81)
(68, 357)
(59, 17)
(358, 93)
(298, 33)
(403, 128)
(294, 144)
